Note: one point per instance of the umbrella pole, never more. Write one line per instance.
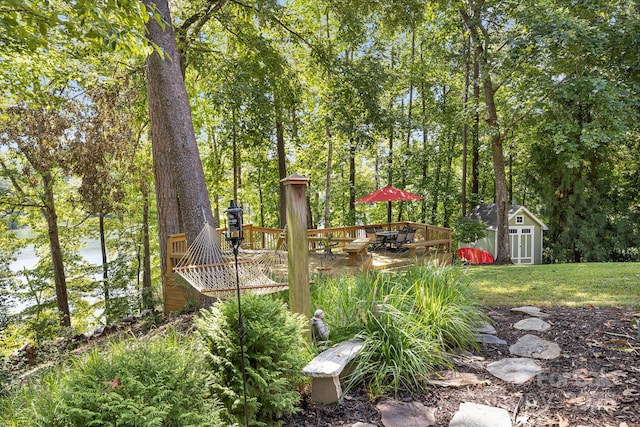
(389, 215)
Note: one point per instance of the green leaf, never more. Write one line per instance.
(158, 49)
(33, 43)
(144, 13)
(43, 28)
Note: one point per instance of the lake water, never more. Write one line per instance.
(27, 258)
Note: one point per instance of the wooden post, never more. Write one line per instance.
(298, 244)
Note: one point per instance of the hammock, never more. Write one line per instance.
(212, 270)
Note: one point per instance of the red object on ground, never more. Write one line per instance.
(475, 256)
(389, 194)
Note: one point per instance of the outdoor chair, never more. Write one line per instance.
(400, 239)
(377, 242)
(404, 237)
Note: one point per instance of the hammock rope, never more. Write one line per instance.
(209, 266)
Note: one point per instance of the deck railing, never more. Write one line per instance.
(256, 237)
(262, 238)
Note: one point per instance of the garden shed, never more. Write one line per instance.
(525, 231)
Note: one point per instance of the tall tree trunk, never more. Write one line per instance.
(234, 155)
(176, 158)
(390, 166)
(169, 221)
(425, 164)
(261, 197)
(105, 268)
(475, 133)
(437, 188)
(282, 159)
(510, 187)
(352, 183)
(147, 292)
(391, 135)
(376, 169)
(327, 189)
(465, 126)
(49, 212)
(446, 211)
(409, 123)
(476, 30)
(503, 251)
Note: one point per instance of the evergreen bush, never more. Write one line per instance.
(275, 353)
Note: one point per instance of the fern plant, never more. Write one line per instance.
(160, 382)
(275, 352)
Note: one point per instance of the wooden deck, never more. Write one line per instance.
(377, 260)
(177, 293)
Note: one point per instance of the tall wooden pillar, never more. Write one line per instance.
(298, 244)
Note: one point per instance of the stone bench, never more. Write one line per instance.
(425, 244)
(357, 250)
(326, 367)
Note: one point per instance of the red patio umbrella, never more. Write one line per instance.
(389, 194)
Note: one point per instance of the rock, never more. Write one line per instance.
(514, 370)
(489, 339)
(360, 424)
(531, 311)
(533, 346)
(486, 328)
(147, 312)
(79, 339)
(456, 379)
(476, 415)
(97, 332)
(532, 324)
(129, 320)
(406, 414)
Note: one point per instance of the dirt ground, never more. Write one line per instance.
(595, 381)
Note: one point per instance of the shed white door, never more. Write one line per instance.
(522, 240)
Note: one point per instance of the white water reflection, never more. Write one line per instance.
(27, 258)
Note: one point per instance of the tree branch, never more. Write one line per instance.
(278, 21)
(198, 20)
(530, 109)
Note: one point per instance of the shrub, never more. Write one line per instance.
(469, 230)
(444, 300)
(275, 352)
(411, 323)
(160, 382)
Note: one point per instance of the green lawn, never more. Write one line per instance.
(573, 285)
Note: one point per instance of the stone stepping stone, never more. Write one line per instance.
(361, 424)
(532, 324)
(486, 328)
(489, 339)
(516, 370)
(406, 414)
(533, 346)
(530, 310)
(456, 379)
(476, 415)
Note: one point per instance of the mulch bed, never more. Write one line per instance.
(594, 382)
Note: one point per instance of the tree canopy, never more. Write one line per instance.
(466, 101)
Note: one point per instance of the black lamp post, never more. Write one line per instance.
(234, 237)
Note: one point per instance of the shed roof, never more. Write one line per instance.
(489, 213)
